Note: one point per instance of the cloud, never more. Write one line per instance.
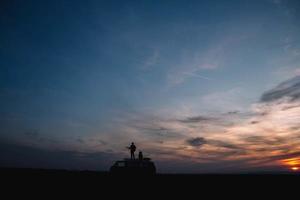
(250, 138)
(32, 134)
(276, 2)
(265, 141)
(225, 101)
(36, 137)
(189, 69)
(262, 136)
(192, 64)
(17, 155)
(161, 132)
(224, 144)
(80, 140)
(102, 142)
(198, 119)
(232, 112)
(289, 88)
(191, 74)
(151, 60)
(196, 142)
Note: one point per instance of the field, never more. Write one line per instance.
(84, 178)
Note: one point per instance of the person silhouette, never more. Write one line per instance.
(140, 155)
(132, 149)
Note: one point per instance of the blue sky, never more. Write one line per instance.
(90, 77)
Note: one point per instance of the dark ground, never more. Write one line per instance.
(51, 181)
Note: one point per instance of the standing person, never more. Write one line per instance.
(132, 149)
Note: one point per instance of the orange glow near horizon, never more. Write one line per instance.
(295, 168)
(292, 163)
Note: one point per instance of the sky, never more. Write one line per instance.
(199, 86)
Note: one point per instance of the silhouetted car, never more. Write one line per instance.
(134, 166)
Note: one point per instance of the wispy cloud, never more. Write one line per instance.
(196, 142)
(198, 119)
(193, 64)
(268, 133)
(288, 89)
(196, 75)
(151, 60)
(17, 155)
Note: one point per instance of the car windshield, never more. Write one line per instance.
(120, 164)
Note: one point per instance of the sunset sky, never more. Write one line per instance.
(199, 86)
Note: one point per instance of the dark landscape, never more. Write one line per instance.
(61, 176)
(35, 183)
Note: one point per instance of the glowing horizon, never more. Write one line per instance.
(199, 86)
